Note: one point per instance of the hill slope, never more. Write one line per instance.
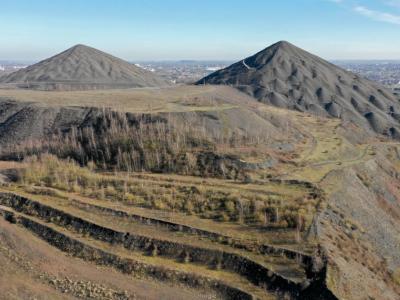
(286, 76)
(83, 67)
(231, 186)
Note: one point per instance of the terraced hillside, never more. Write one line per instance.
(258, 203)
(168, 245)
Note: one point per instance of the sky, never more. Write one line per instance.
(203, 30)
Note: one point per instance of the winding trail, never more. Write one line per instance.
(247, 66)
(354, 159)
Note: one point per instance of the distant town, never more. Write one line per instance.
(384, 72)
(12, 66)
(187, 71)
(184, 71)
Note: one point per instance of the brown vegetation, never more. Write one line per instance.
(227, 206)
(117, 141)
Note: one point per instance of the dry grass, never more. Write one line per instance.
(4, 165)
(171, 99)
(396, 276)
(218, 201)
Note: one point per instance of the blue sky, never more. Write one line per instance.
(205, 29)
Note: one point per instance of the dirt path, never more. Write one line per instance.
(355, 159)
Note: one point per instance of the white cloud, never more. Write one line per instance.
(394, 3)
(378, 15)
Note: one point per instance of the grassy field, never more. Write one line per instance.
(149, 100)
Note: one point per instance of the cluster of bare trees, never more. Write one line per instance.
(163, 142)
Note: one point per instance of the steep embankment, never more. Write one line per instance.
(360, 227)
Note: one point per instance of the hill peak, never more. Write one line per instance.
(283, 44)
(283, 47)
(80, 47)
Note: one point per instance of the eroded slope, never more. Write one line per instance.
(286, 76)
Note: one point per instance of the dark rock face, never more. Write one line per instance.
(286, 76)
(82, 68)
(21, 121)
